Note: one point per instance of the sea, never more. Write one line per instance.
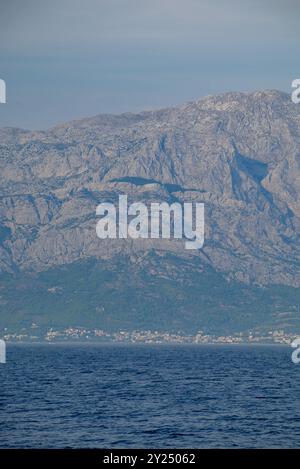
(149, 396)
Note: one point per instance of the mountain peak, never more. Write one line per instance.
(236, 152)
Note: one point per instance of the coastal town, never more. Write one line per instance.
(80, 334)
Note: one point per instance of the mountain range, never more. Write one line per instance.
(239, 153)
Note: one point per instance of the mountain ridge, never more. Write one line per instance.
(238, 153)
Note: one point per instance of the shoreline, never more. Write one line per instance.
(144, 344)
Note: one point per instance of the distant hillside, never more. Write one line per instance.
(239, 153)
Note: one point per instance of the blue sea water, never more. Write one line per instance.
(111, 396)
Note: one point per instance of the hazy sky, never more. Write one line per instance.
(68, 59)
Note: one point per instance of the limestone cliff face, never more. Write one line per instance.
(238, 153)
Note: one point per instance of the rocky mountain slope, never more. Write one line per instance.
(238, 153)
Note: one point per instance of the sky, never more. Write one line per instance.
(68, 59)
